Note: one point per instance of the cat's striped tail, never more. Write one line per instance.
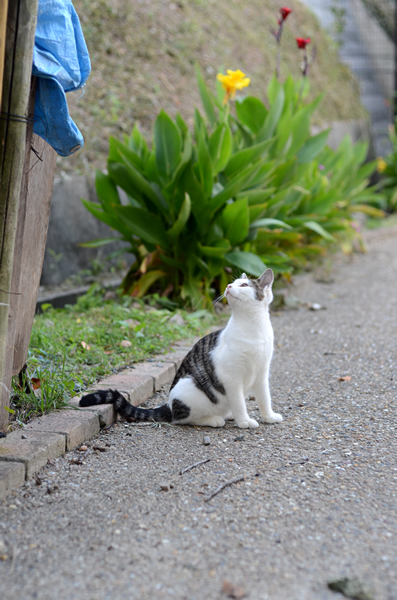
(161, 414)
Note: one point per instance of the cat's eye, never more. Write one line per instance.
(243, 284)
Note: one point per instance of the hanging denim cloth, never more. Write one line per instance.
(61, 64)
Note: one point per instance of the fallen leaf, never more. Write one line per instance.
(232, 590)
(351, 588)
(345, 378)
(85, 346)
(36, 383)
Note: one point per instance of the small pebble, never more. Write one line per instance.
(83, 448)
(206, 440)
(24, 437)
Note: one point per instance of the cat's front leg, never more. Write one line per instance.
(262, 394)
(239, 409)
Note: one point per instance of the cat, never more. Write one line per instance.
(220, 370)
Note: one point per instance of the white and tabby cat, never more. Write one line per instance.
(221, 369)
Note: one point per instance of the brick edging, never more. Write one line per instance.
(25, 451)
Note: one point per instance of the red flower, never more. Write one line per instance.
(284, 13)
(302, 42)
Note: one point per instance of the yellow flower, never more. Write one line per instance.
(233, 81)
(381, 165)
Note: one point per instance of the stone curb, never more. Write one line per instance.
(24, 452)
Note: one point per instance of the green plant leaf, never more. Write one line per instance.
(206, 97)
(141, 287)
(140, 183)
(99, 242)
(110, 218)
(235, 218)
(144, 224)
(268, 222)
(244, 157)
(317, 228)
(204, 166)
(106, 190)
(220, 147)
(138, 143)
(234, 186)
(272, 117)
(115, 147)
(246, 261)
(218, 250)
(167, 143)
(312, 147)
(181, 221)
(252, 113)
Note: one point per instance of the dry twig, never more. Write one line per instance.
(201, 462)
(223, 486)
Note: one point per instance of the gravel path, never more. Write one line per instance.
(318, 500)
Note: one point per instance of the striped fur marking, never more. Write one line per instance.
(198, 365)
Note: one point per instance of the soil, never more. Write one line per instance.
(144, 54)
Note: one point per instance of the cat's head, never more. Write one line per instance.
(250, 292)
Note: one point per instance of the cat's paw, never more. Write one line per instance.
(248, 424)
(273, 418)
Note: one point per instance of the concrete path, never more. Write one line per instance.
(316, 497)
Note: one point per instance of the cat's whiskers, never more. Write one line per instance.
(219, 299)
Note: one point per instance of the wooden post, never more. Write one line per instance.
(3, 29)
(21, 25)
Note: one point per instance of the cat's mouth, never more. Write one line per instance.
(228, 293)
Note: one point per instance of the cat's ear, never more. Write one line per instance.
(243, 276)
(266, 279)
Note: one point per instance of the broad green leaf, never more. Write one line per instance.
(138, 143)
(185, 158)
(200, 128)
(192, 290)
(167, 143)
(139, 182)
(317, 228)
(115, 147)
(252, 113)
(256, 211)
(268, 222)
(218, 250)
(106, 190)
(220, 147)
(312, 147)
(144, 283)
(242, 158)
(144, 224)
(121, 177)
(257, 196)
(272, 117)
(99, 242)
(247, 262)
(235, 218)
(181, 221)
(110, 218)
(206, 97)
(234, 186)
(273, 89)
(366, 209)
(204, 166)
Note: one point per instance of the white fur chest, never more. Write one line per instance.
(244, 351)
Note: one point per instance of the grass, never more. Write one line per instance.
(143, 56)
(70, 348)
